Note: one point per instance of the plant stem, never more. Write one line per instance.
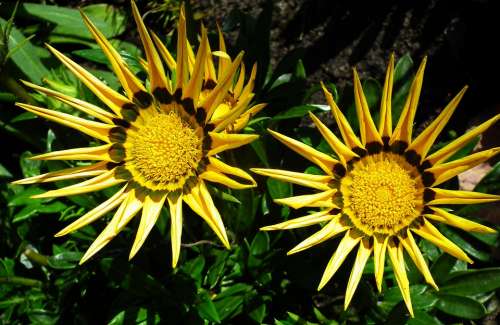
(20, 280)
(36, 257)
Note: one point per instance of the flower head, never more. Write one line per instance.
(381, 190)
(161, 141)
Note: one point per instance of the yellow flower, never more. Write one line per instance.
(381, 189)
(160, 142)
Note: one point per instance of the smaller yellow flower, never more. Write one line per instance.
(380, 190)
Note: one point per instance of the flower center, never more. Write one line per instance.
(382, 193)
(163, 151)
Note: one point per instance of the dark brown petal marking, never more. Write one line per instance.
(412, 157)
(117, 134)
(207, 143)
(374, 147)
(188, 105)
(427, 210)
(209, 127)
(129, 112)
(121, 122)
(162, 95)
(359, 151)
(178, 95)
(425, 165)
(428, 179)
(429, 195)
(201, 115)
(385, 141)
(335, 211)
(110, 165)
(208, 84)
(339, 170)
(117, 152)
(123, 173)
(399, 147)
(202, 165)
(143, 99)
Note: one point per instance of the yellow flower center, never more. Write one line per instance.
(163, 151)
(382, 193)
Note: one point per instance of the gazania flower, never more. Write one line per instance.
(381, 190)
(161, 142)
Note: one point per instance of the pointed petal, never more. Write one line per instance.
(446, 171)
(350, 139)
(443, 216)
(132, 204)
(452, 147)
(385, 123)
(94, 129)
(165, 54)
(301, 201)
(182, 68)
(131, 84)
(343, 152)
(194, 86)
(248, 89)
(225, 141)
(150, 213)
(156, 72)
(227, 119)
(379, 249)
(403, 130)
(244, 118)
(416, 255)
(64, 174)
(97, 183)
(319, 182)
(80, 105)
(108, 96)
(321, 159)
(95, 213)
(223, 62)
(309, 220)
(425, 140)
(175, 205)
(86, 153)
(364, 253)
(443, 196)
(331, 229)
(346, 245)
(430, 233)
(398, 265)
(367, 128)
(241, 80)
(222, 168)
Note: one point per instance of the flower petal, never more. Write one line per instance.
(305, 221)
(416, 255)
(379, 249)
(364, 253)
(301, 201)
(443, 216)
(86, 153)
(443, 196)
(367, 128)
(398, 265)
(225, 141)
(175, 204)
(319, 182)
(385, 123)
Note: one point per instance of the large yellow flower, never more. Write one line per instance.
(381, 189)
(160, 142)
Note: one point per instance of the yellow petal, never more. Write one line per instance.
(301, 201)
(309, 220)
(445, 171)
(175, 205)
(244, 118)
(86, 153)
(350, 139)
(156, 72)
(225, 141)
(398, 265)
(319, 182)
(430, 233)
(426, 139)
(385, 123)
(364, 252)
(459, 222)
(132, 204)
(97, 183)
(452, 147)
(80, 105)
(379, 249)
(108, 96)
(443, 196)
(238, 87)
(416, 255)
(313, 155)
(367, 128)
(343, 152)
(331, 229)
(65, 174)
(223, 61)
(216, 170)
(225, 120)
(94, 129)
(150, 213)
(165, 54)
(194, 86)
(403, 130)
(248, 89)
(346, 245)
(131, 84)
(95, 213)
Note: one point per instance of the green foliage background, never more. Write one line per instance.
(254, 282)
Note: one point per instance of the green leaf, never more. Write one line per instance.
(299, 111)
(29, 167)
(402, 82)
(490, 182)
(464, 244)
(206, 309)
(65, 260)
(24, 57)
(473, 282)
(278, 189)
(442, 267)
(462, 307)
(260, 244)
(422, 318)
(69, 22)
(4, 173)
